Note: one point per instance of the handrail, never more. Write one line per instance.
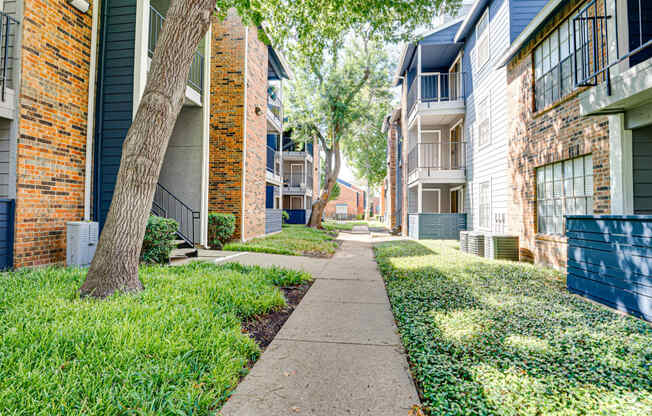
(435, 87)
(172, 207)
(591, 31)
(442, 155)
(196, 74)
(5, 29)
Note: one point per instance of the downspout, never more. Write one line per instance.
(244, 138)
(92, 74)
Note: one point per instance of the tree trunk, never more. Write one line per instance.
(115, 265)
(319, 205)
(367, 208)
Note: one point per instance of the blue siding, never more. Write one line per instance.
(269, 196)
(114, 97)
(445, 35)
(271, 141)
(610, 261)
(298, 216)
(437, 226)
(7, 211)
(521, 12)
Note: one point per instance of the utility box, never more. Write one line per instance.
(81, 239)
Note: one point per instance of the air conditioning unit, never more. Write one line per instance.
(476, 244)
(501, 247)
(464, 241)
(81, 239)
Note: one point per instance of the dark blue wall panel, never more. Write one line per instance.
(521, 12)
(114, 97)
(610, 261)
(298, 216)
(7, 210)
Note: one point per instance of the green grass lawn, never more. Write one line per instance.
(176, 348)
(294, 240)
(487, 337)
(333, 225)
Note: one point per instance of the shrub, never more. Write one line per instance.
(286, 217)
(159, 240)
(359, 217)
(221, 228)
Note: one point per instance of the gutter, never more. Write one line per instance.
(90, 128)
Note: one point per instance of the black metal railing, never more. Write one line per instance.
(196, 75)
(275, 107)
(167, 205)
(6, 34)
(591, 30)
(271, 160)
(436, 87)
(437, 156)
(294, 179)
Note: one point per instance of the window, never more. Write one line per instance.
(553, 65)
(563, 188)
(484, 204)
(482, 40)
(484, 124)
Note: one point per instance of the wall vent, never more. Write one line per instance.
(81, 242)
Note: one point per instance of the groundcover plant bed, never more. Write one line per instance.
(176, 348)
(486, 337)
(294, 240)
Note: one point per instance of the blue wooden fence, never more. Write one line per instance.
(610, 261)
(7, 210)
(436, 226)
(298, 216)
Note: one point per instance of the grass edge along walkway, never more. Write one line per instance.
(491, 337)
(176, 348)
(293, 240)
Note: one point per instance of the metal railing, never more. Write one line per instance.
(591, 29)
(167, 205)
(196, 75)
(275, 107)
(436, 87)
(6, 22)
(295, 180)
(437, 156)
(273, 164)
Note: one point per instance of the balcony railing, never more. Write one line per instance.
(591, 30)
(196, 75)
(436, 87)
(275, 107)
(273, 161)
(6, 39)
(437, 156)
(295, 180)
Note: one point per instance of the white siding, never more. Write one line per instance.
(489, 163)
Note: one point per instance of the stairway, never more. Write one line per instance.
(183, 251)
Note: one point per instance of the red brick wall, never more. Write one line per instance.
(540, 138)
(347, 196)
(227, 125)
(53, 105)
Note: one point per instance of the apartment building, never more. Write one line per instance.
(580, 88)
(73, 81)
(301, 184)
(349, 205)
(454, 119)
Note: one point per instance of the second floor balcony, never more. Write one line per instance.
(297, 179)
(442, 92)
(274, 109)
(273, 166)
(437, 162)
(196, 75)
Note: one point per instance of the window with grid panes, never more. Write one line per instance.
(553, 65)
(482, 39)
(563, 188)
(484, 205)
(484, 122)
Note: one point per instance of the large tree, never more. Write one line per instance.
(366, 149)
(310, 25)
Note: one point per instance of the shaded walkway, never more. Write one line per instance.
(339, 353)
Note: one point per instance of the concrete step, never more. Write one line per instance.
(182, 253)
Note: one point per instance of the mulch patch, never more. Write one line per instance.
(264, 328)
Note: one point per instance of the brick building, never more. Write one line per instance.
(350, 204)
(558, 160)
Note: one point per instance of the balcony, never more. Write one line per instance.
(274, 110)
(437, 93)
(613, 40)
(296, 182)
(439, 162)
(8, 29)
(196, 76)
(273, 172)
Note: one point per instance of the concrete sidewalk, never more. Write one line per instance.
(339, 353)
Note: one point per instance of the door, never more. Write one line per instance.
(429, 149)
(642, 170)
(454, 202)
(296, 202)
(455, 147)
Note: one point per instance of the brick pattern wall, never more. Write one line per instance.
(227, 160)
(347, 196)
(53, 105)
(256, 147)
(540, 138)
(392, 142)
